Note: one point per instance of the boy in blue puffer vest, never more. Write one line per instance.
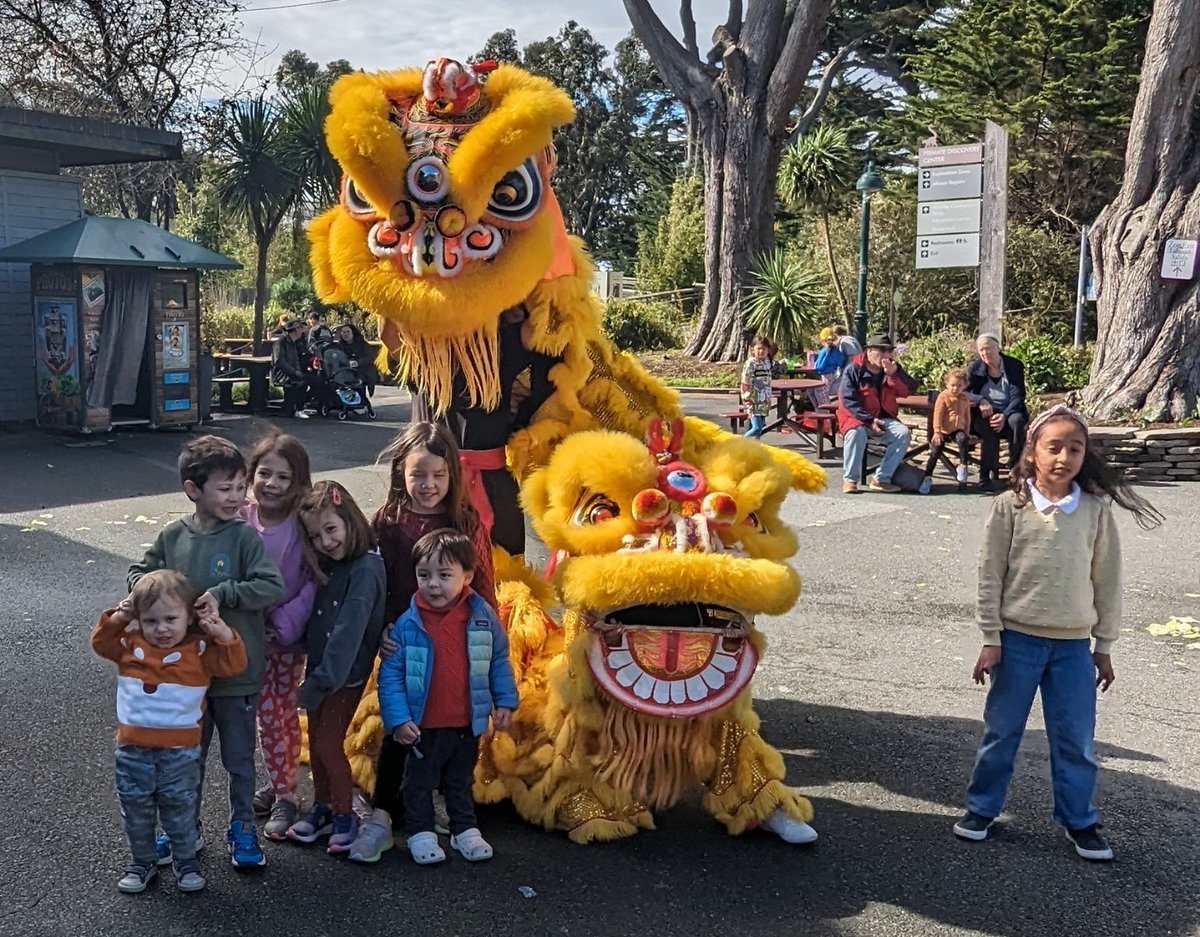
(449, 673)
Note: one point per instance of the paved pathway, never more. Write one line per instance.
(866, 689)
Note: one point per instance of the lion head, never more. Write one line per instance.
(665, 558)
(446, 216)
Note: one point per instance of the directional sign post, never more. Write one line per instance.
(945, 182)
(949, 217)
(947, 250)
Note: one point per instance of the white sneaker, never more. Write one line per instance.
(961, 472)
(789, 830)
(926, 485)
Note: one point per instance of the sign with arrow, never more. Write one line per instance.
(1179, 259)
(947, 250)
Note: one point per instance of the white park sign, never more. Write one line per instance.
(947, 250)
(1179, 259)
(949, 182)
(950, 217)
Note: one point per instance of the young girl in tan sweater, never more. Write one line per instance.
(1050, 586)
(951, 423)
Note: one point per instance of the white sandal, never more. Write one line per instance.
(472, 845)
(425, 849)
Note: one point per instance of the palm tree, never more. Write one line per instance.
(816, 173)
(257, 178)
(785, 300)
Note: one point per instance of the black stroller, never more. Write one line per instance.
(338, 387)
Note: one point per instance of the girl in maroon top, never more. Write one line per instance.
(427, 492)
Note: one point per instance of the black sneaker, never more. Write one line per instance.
(1091, 844)
(987, 484)
(973, 827)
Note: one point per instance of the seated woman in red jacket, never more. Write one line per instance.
(871, 386)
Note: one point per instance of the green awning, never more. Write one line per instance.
(115, 242)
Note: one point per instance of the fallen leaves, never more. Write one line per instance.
(1177, 627)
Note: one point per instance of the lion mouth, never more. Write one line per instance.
(672, 661)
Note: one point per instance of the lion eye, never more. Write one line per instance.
(753, 521)
(596, 510)
(518, 195)
(354, 200)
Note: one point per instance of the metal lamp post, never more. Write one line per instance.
(868, 184)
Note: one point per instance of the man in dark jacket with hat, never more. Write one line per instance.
(871, 386)
(289, 368)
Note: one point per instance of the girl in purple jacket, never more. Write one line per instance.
(279, 477)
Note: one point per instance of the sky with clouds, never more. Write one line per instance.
(384, 34)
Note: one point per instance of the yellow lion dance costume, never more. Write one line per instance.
(448, 231)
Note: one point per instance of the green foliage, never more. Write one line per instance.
(785, 301)
(233, 322)
(637, 326)
(617, 159)
(294, 295)
(1077, 366)
(929, 357)
(819, 170)
(672, 256)
(1061, 76)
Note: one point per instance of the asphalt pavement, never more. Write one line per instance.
(865, 688)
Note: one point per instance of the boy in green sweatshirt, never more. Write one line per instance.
(225, 559)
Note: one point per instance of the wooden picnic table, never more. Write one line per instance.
(786, 390)
(257, 371)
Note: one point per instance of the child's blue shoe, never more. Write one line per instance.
(244, 849)
(162, 845)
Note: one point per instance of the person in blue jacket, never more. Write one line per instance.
(449, 674)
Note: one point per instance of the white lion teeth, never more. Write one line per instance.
(644, 686)
(713, 677)
(619, 658)
(724, 662)
(662, 692)
(628, 674)
(696, 689)
(678, 692)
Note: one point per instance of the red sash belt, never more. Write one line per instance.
(475, 462)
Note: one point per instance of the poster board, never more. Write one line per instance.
(94, 295)
(175, 318)
(57, 349)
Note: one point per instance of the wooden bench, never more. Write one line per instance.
(736, 420)
(224, 385)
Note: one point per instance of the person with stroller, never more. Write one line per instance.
(360, 353)
(290, 368)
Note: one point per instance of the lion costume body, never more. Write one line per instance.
(448, 231)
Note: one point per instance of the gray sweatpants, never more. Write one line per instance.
(234, 718)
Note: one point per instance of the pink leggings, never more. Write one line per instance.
(279, 721)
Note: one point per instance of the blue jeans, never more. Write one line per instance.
(1066, 674)
(854, 450)
(758, 422)
(235, 719)
(158, 785)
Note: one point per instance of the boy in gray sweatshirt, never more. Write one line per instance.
(224, 559)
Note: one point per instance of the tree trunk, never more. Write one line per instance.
(1148, 349)
(833, 270)
(260, 294)
(739, 208)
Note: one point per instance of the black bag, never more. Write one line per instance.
(908, 477)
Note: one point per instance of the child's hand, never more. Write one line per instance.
(387, 647)
(124, 613)
(215, 628)
(1105, 675)
(502, 719)
(938, 439)
(208, 605)
(406, 734)
(989, 660)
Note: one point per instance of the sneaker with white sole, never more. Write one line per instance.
(374, 838)
(926, 485)
(317, 822)
(789, 829)
(162, 846)
(244, 849)
(188, 877)
(283, 815)
(973, 826)
(1091, 844)
(471, 845)
(345, 832)
(137, 877)
(961, 474)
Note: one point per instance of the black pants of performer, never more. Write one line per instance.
(389, 776)
(989, 457)
(508, 528)
(447, 762)
(935, 450)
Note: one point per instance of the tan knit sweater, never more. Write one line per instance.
(1051, 574)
